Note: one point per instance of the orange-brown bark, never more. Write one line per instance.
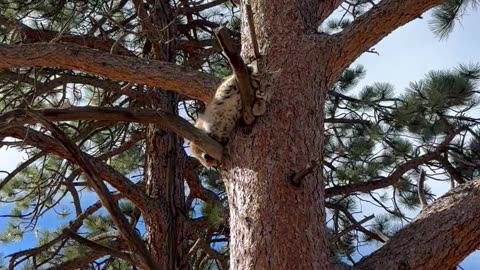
(165, 75)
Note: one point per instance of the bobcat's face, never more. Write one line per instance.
(206, 160)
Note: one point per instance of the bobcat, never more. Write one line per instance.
(225, 109)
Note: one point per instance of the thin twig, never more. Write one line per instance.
(352, 227)
(421, 189)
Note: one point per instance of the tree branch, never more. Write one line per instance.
(240, 71)
(455, 215)
(96, 246)
(164, 120)
(196, 188)
(86, 258)
(394, 177)
(169, 76)
(368, 29)
(421, 189)
(132, 238)
(49, 145)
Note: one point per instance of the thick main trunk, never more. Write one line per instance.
(275, 225)
(164, 178)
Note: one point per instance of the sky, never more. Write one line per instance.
(405, 55)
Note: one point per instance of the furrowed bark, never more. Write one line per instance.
(277, 225)
(169, 76)
(418, 246)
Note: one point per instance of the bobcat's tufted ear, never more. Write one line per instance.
(253, 67)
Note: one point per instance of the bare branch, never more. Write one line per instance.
(421, 189)
(86, 258)
(352, 219)
(355, 225)
(241, 73)
(168, 76)
(309, 168)
(164, 120)
(419, 247)
(394, 177)
(97, 247)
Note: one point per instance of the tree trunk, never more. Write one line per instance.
(164, 178)
(276, 225)
(164, 155)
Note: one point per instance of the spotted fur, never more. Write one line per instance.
(223, 112)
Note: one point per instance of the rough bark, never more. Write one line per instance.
(275, 225)
(440, 237)
(166, 75)
(164, 157)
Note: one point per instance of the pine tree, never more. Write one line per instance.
(100, 95)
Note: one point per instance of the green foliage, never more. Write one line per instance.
(445, 15)
(350, 78)
(97, 224)
(215, 213)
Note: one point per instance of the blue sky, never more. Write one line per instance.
(405, 55)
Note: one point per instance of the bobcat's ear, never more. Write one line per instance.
(253, 67)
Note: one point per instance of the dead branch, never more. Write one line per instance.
(97, 247)
(300, 175)
(240, 71)
(355, 225)
(352, 219)
(421, 189)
